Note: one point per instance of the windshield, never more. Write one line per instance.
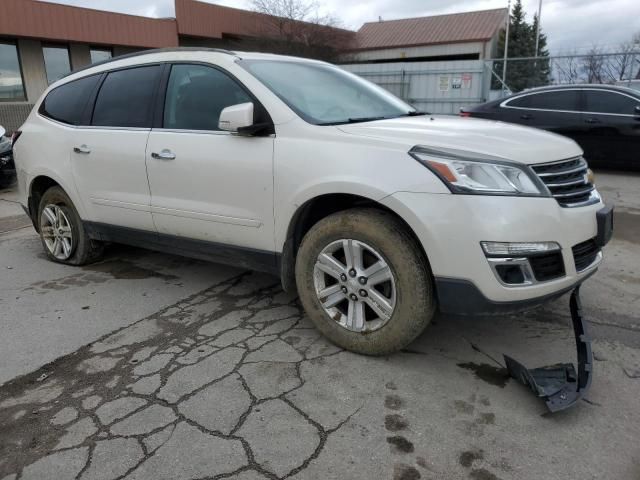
(326, 95)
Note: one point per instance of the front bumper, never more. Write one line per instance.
(451, 227)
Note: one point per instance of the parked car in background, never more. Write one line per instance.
(603, 119)
(377, 213)
(7, 168)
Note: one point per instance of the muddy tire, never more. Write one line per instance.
(62, 232)
(368, 257)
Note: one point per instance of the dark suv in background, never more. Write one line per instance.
(604, 120)
(7, 167)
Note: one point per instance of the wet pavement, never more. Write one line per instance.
(151, 366)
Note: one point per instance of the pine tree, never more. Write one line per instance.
(523, 74)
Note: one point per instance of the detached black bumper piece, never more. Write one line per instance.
(560, 385)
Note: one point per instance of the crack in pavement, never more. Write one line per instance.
(115, 408)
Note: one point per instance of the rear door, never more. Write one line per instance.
(208, 184)
(612, 128)
(555, 110)
(108, 155)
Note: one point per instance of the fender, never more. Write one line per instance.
(68, 186)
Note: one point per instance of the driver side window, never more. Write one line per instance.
(196, 95)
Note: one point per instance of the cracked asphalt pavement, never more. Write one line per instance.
(151, 366)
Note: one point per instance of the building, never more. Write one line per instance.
(458, 36)
(41, 42)
(437, 64)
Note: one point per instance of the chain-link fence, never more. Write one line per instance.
(621, 68)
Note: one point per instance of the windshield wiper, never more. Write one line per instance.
(416, 113)
(364, 119)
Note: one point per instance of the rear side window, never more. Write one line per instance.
(522, 102)
(609, 102)
(558, 100)
(197, 94)
(125, 98)
(67, 103)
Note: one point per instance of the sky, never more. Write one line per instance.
(571, 25)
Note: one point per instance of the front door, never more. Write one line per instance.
(207, 184)
(108, 157)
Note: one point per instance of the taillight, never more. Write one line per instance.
(15, 136)
(465, 114)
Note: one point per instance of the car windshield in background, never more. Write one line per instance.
(327, 95)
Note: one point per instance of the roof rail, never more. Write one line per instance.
(150, 52)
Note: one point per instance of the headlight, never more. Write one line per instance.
(479, 174)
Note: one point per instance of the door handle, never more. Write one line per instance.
(164, 155)
(592, 120)
(526, 116)
(82, 149)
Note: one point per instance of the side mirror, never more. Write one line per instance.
(236, 117)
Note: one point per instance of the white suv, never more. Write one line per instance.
(378, 214)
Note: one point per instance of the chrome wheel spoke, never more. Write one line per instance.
(352, 254)
(50, 216)
(379, 304)
(355, 316)
(333, 299)
(329, 265)
(377, 273)
(57, 247)
(59, 217)
(66, 232)
(66, 246)
(329, 291)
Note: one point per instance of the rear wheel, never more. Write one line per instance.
(364, 282)
(62, 233)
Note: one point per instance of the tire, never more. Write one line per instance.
(387, 236)
(82, 249)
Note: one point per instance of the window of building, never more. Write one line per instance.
(67, 103)
(126, 97)
(609, 102)
(100, 54)
(196, 95)
(56, 62)
(11, 83)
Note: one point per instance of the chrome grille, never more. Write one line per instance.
(568, 181)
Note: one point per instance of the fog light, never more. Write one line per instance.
(511, 274)
(518, 248)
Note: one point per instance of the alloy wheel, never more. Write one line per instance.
(355, 285)
(56, 232)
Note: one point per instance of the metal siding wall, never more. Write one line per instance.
(409, 52)
(418, 83)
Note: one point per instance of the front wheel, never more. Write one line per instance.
(364, 281)
(63, 235)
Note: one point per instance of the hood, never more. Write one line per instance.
(511, 142)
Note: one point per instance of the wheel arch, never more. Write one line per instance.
(36, 188)
(314, 210)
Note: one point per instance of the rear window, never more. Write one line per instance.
(67, 103)
(126, 98)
